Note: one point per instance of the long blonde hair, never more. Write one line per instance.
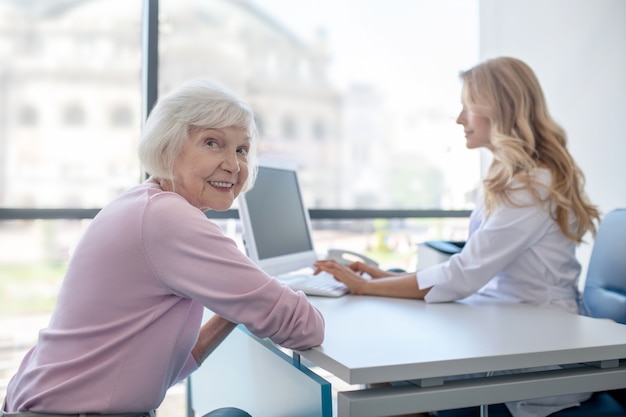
(524, 137)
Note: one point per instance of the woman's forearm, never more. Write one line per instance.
(211, 335)
(402, 286)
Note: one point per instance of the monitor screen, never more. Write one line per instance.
(276, 225)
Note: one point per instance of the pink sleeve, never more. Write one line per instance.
(194, 259)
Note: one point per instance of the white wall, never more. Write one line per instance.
(578, 51)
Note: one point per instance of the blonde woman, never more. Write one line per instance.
(532, 213)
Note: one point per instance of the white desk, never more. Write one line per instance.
(375, 339)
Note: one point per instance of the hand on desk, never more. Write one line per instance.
(383, 283)
(358, 267)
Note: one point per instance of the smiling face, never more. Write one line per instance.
(212, 168)
(474, 115)
(477, 129)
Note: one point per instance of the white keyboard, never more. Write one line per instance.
(323, 284)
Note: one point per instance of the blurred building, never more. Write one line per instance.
(70, 102)
(70, 80)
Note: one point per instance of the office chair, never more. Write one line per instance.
(227, 412)
(604, 296)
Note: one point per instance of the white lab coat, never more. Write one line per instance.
(517, 254)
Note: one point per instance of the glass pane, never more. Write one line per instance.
(363, 95)
(71, 101)
(393, 243)
(33, 259)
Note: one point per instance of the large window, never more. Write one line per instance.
(362, 94)
(70, 106)
(71, 101)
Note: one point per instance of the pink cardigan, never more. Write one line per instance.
(131, 304)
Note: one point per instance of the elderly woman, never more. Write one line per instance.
(127, 324)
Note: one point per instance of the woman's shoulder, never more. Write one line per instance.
(526, 192)
(154, 205)
(539, 176)
(170, 205)
(542, 176)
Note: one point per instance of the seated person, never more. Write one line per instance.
(127, 324)
(532, 213)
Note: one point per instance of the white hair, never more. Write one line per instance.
(197, 104)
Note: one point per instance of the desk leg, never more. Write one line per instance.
(484, 410)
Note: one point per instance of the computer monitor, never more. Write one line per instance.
(276, 225)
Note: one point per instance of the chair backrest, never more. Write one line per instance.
(605, 287)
